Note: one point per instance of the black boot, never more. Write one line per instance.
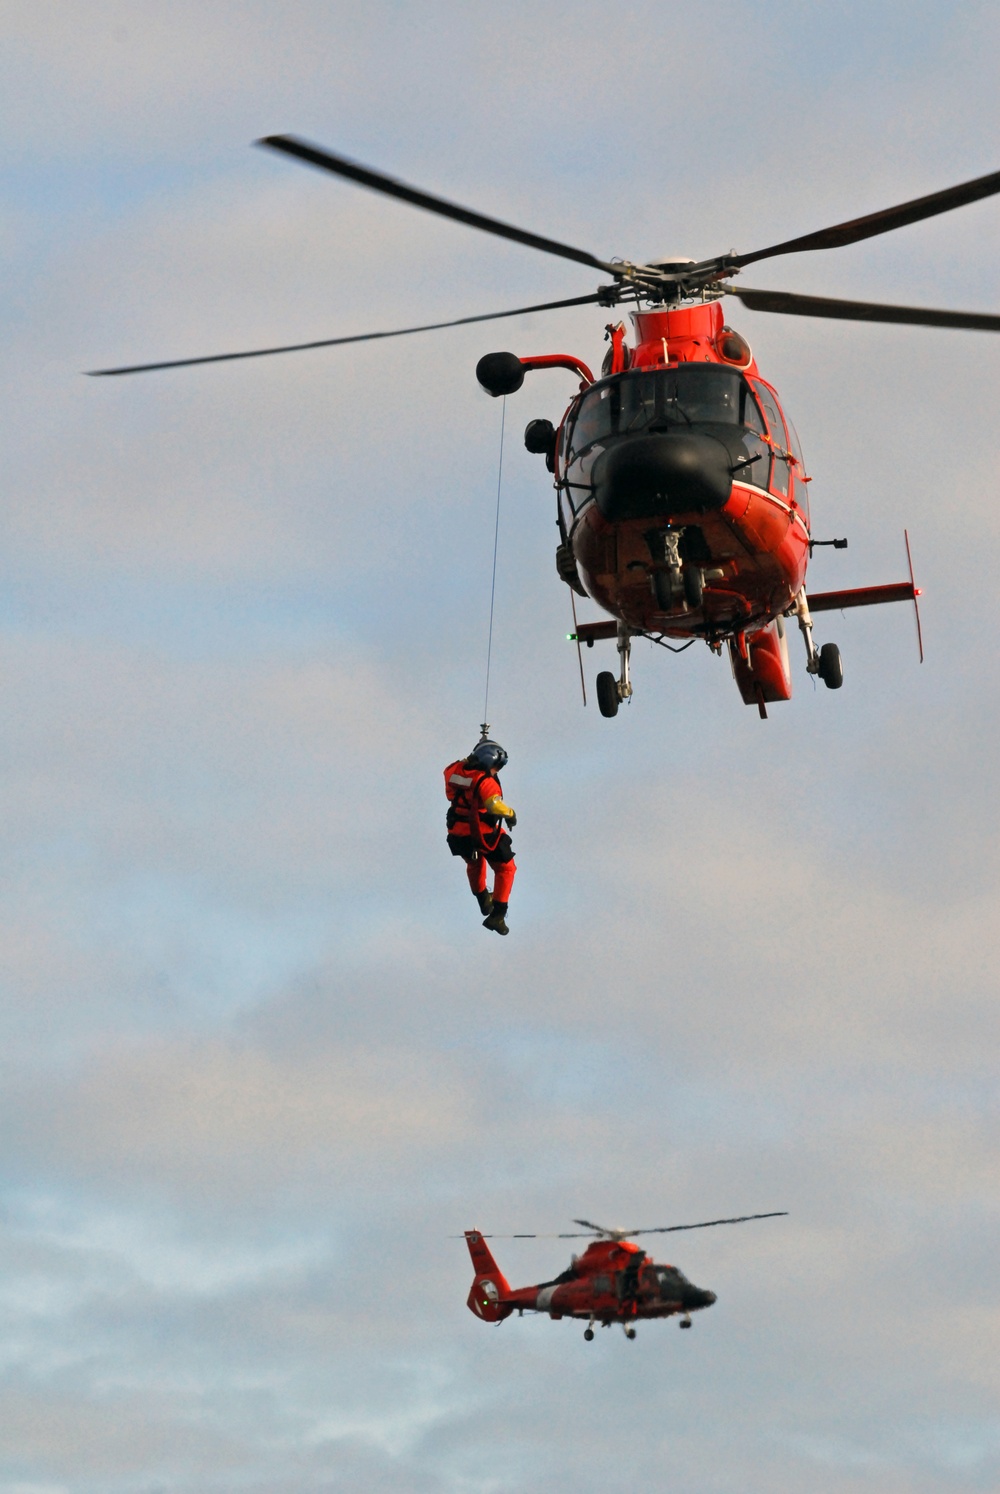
(496, 920)
(485, 901)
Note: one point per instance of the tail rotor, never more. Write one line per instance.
(916, 593)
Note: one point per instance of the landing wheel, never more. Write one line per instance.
(668, 588)
(831, 670)
(685, 1323)
(607, 693)
(694, 585)
(588, 1334)
(630, 1332)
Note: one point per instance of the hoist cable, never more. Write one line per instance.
(496, 539)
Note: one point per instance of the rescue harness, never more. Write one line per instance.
(466, 814)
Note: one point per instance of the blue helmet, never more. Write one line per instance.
(489, 756)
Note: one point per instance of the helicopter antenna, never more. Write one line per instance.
(493, 585)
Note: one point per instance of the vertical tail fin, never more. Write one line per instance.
(490, 1289)
(482, 1256)
(916, 593)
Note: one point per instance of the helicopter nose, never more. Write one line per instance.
(653, 475)
(695, 1298)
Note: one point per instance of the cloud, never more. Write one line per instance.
(216, 1117)
(260, 1060)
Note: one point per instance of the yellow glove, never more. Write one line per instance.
(503, 811)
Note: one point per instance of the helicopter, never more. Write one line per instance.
(613, 1281)
(682, 493)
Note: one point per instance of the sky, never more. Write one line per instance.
(259, 1062)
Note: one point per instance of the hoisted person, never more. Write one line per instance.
(477, 827)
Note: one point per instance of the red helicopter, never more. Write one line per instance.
(613, 1281)
(682, 492)
(682, 504)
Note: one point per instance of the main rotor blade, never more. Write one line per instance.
(628, 1234)
(791, 304)
(355, 172)
(670, 1229)
(597, 1228)
(882, 222)
(588, 1236)
(334, 342)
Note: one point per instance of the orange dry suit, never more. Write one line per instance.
(476, 816)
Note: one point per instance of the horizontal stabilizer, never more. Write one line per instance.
(871, 596)
(589, 632)
(863, 596)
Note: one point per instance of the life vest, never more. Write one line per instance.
(463, 786)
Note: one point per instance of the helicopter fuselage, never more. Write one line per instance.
(682, 493)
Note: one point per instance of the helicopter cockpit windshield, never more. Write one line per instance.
(705, 397)
(663, 398)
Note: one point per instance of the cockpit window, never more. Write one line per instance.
(671, 1282)
(752, 417)
(801, 491)
(779, 462)
(660, 398)
(597, 417)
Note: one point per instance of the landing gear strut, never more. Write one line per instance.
(610, 691)
(826, 661)
(588, 1332)
(629, 1330)
(685, 1321)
